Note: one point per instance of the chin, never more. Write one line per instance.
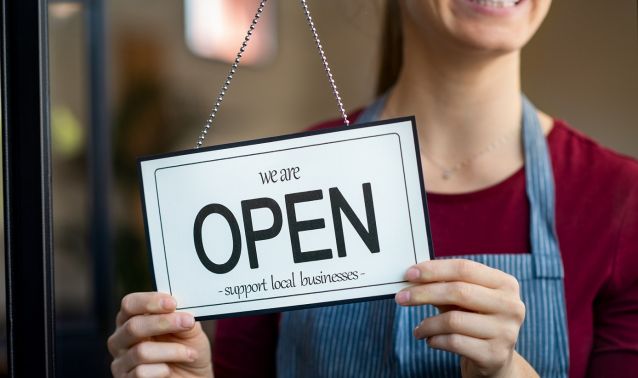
(499, 26)
(490, 38)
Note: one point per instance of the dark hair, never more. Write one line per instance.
(391, 51)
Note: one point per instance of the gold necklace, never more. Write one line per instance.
(448, 171)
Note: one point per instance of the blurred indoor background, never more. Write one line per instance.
(164, 62)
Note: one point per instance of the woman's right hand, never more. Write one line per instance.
(152, 340)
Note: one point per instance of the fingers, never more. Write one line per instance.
(144, 303)
(190, 333)
(150, 353)
(466, 295)
(461, 270)
(149, 371)
(141, 327)
(481, 310)
(469, 324)
(478, 350)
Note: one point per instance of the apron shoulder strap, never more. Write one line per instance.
(541, 195)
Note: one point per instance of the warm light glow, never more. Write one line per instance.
(215, 29)
(64, 10)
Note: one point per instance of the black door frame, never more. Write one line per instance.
(27, 189)
(31, 329)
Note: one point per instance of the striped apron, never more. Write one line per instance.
(374, 339)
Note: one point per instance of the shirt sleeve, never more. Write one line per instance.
(246, 346)
(615, 348)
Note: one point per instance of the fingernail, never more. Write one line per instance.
(187, 321)
(168, 303)
(402, 297)
(413, 274)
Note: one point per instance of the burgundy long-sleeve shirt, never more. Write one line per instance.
(597, 225)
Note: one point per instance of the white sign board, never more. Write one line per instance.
(310, 219)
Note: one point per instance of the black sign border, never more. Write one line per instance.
(412, 121)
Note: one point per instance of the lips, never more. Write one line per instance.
(497, 3)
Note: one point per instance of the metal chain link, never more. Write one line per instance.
(326, 68)
(233, 69)
(242, 49)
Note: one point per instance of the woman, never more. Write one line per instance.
(505, 183)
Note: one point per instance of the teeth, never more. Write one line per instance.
(497, 3)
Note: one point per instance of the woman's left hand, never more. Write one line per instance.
(481, 313)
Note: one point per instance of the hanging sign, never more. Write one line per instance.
(310, 219)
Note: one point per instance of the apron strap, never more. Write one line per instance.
(541, 195)
(373, 111)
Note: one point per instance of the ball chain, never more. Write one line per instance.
(324, 61)
(242, 49)
(233, 70)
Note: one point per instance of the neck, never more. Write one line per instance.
(462, 101)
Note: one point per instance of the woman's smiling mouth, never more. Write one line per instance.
(497, 3)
